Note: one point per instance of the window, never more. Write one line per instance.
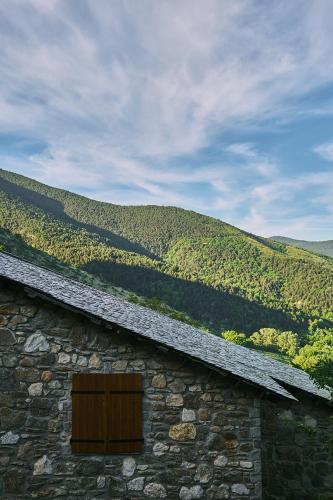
(106, 413)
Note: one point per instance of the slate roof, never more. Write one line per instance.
(244, 363)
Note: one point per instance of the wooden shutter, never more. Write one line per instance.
(106, 413)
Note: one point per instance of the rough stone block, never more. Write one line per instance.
(43, 466)
(174, 400)
(188, 415)
(159, 381)
(191, 493)
(183, 432)
(36, 342)
(7, 337)
(155, 490)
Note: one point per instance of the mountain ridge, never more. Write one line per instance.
(217, 274)
(324, 247)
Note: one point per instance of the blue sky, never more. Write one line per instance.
(221, 107)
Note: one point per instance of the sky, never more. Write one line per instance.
(218, 106)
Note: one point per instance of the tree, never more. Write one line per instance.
(235, 337)
(265, 337)
(316, 358)
(288, 342)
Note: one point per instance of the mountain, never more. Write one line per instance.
(15, 245)
(217, 274)
(321, 247)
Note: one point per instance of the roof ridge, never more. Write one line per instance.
(242, 362)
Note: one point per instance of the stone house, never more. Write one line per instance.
(101, 398)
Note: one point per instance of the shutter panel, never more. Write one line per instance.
(124, 413)
(107, 414)
(89, 413)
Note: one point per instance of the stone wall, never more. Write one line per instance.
(297, 451)
(201, 429)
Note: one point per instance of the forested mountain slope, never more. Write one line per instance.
(219, 275)
(321, 247)
(15, 245)
(145, 229)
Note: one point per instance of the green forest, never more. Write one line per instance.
(263, 293)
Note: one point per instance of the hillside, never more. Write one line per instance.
(320, 247)
(221, 276)
(15, 245)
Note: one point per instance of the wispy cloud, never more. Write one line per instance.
(299, 206)
(126, 95)
(325, 151)
(245, 149)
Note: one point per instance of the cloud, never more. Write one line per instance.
(299, 206)
(127, 95)
(155, 81)
(242, 149)
(325, 151)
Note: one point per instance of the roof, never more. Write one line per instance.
(220, 354)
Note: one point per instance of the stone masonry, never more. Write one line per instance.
(297, 449)
(201, 429)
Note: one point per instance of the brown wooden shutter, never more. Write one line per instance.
(106, 413)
